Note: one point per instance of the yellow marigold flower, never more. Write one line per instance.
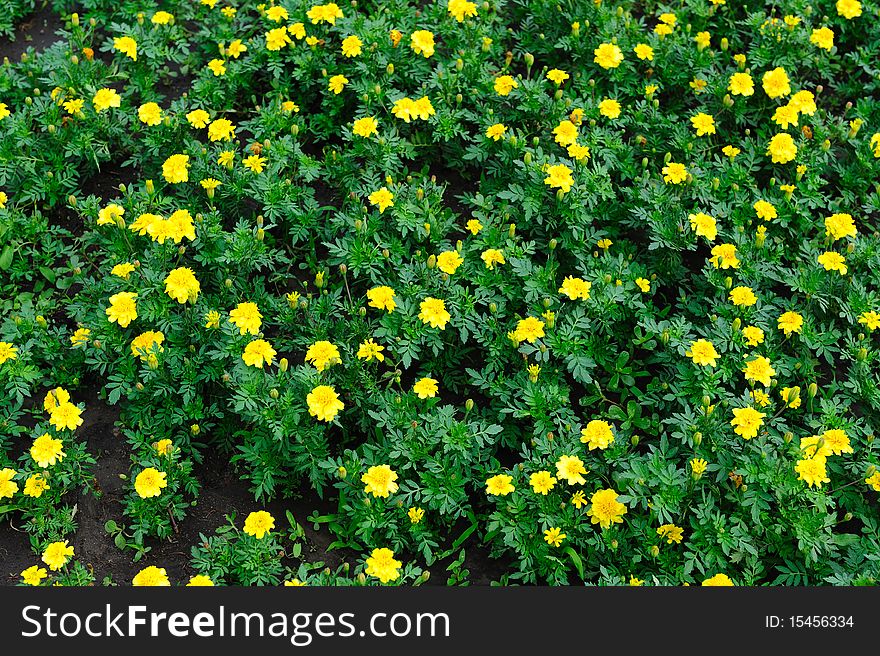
(724, 257)
(74, 106)
(504, 85)
(161, 18)
(609, 108)
(150, 483)
(255, 163)
(122, 270)
(364, 127)
(849, 9)
(123, 309)
(746, 422)
(151, 576)
(323, 354)
(368, 350)
(147, 345)
(297, 30)
(731, 151)
(382, 565)
(379, 480)
(765, 210)
(608, 55)
(823, 38)
(557, 76)
(674, 173)
(276, 14)
(703, 225)
(559, 177)
(554, 536)
(150, 114)
(259, 523)
(415, 514)
(351, 46)
(473, 226)
(703, 353)
(759, 370)
(182, 286)
(34, 575)
(791, 21)
(164, 447)
(491, 257)
(644, 52)
(874, 481)
(277, 38)
(671, 533)
(8, 487)
(741, 84)
(870, 319)
(236, 48)
(791, 396)
(597, 435)
(290, 106)
(80, 336)
(832, 261)
(57, 554)
(790, 322)
(703, 124)
(698, 466)
(576, 288)
(578, 152)
(571, 470)
(496, 131)
(46, 451)
(105, 99)
(449, 261)
(703, 40)
(221, 129)
(643, 284)
(812, 471)
(176, 169)
(804, 102)
(432, 311)
(425, 388)
(542, 482)
(7, 352)
(743, 296)
(698, 85)
(381, 298)
(217, 67)
(760, 397)
(198, 118)
(775, 83)
(719, 580)
(529, 330)
(785, 115)
(127, 46)
(565, 133)
(500, 485)
(337, 83)
(4, 111)
(258, 353)
(200, 581)
(838, 226)
(461, 9)
(605, 509)
(422, 43)
(324, 403)
(753, 335)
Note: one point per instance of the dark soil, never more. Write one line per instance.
(35, 31)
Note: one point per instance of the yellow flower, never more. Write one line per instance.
(381, 198)
(65, 416)
(724, 257)
(105, 99)
(823, 38)
(703, 40)
(731, 151)
(235, 48)
(247, 318)
(703, 124)
(504, 85)
(325, 13)
(597, 435)
(605, 509)
(323, 354)
(571, 470)
(759, 370)
(765, 210)
(80, 336)
(557, 76)
(337, 83)
(743, 296)
(812, 471)
(200, 581)
(671, 533)
(259, 523)
(461, 9)
(217, 67)
(449, 261)
(874, 481)
(111, 215)
(151, 576)
(277, 38)
(182, 286)
(741, 85)
(7, 352)
(760, 397)
(127, 46)
(698, 466)
(426, 388)
(276, 14)
(351, 46)
(565, 133)
(258, 353)
(838, 226)
(175, 169)
(34, 575)
(870, 319)
(753, 335)
(150, 483)
(57, 554)
(35, 485)
(746, 422)
(703, 353)
(473, 226)
(791, 396)
(147, 345)
(849, 9)
(529, 330)
(719, 580)
(804, 102)
(255, 163)
(364, 127)
(150, 114)
(496, 131)
(674, 173)
(775, 83)
(164, 447)
(122, 270)
(491, 257)
(368, 350)
(785, 115)
(578, 499)
(790, 322)
(609, 108)
(324, 403)
(578, 152)
(8, 487)
(382, 298)
(198, 118)
(542, 482)
(576, 288)
(559, 177)
(379, 480)
(221, 129)
(74, 106)
(415, 514)
(422, 43)
(644, 52)
(704, 225)
(643, 284)
(432, 311)
(608, 55)
(554, 536)
(382, 565)
(500, 485)
(782, 148)
(832, 261)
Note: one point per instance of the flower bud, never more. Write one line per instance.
(812, 389)
(736, 323)
(432, 261)
(788, 437)
(390, 69)
(319, 279)
(493, 307)
(228, 283)
(261, 234)
(529, 59)
(698, 438)
(283, 364)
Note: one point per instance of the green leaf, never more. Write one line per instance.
(578, 563)
(6, 258)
